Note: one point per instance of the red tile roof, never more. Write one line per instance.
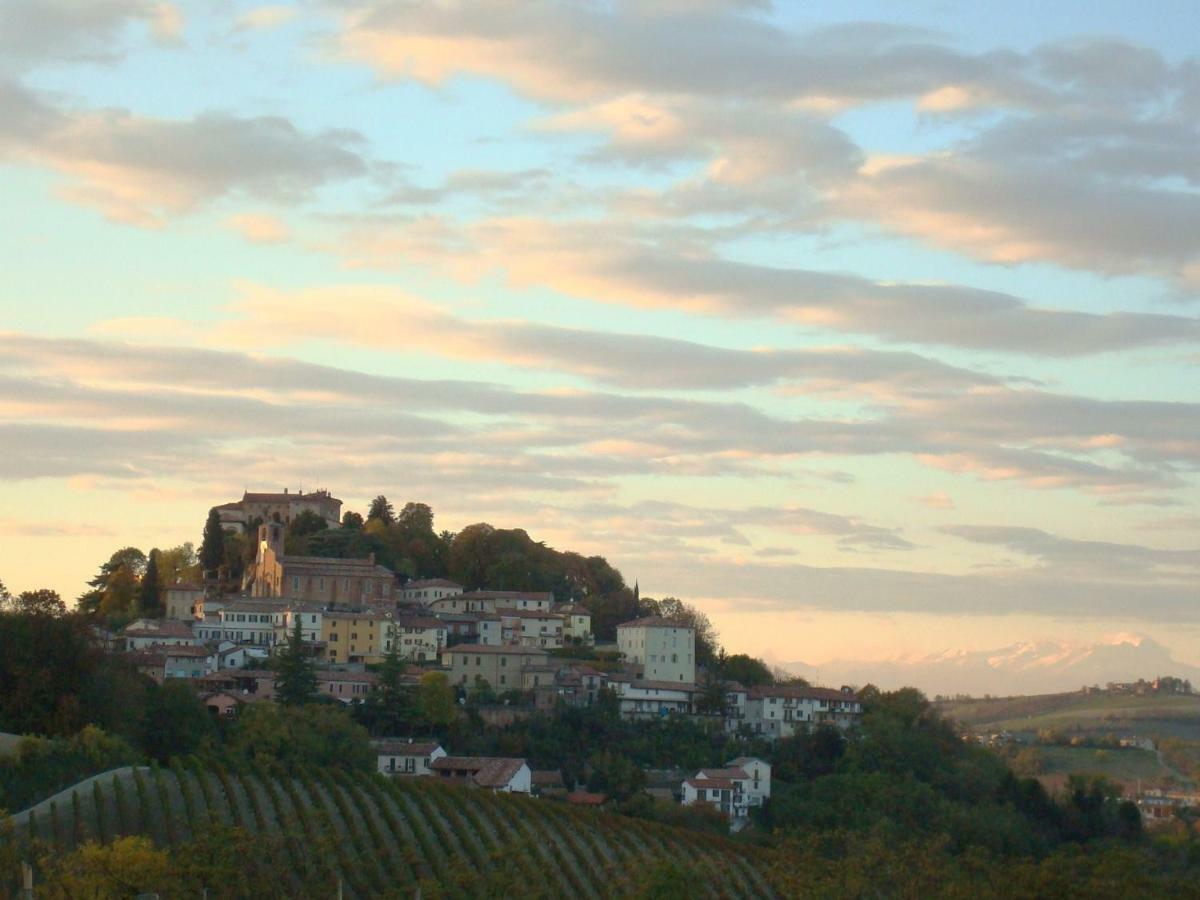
(708, 784)
(798, 692)
(485, 771)
(583, 798)
(655, 622)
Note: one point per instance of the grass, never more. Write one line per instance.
(1101, 713)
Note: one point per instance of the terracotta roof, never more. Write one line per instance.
(186, 650)
(419, 622)
(655, 622)
(743, 761)
(485, 771)
(527, 614)
(708, 784)
(431, 582)
(488, 648)
(684, 686)
(185, 586)
(288, 497)
(398, 747)
(732, 774)
(508, 595)
(326, 675)
(583, 798)
(165, 628)
(797, 692)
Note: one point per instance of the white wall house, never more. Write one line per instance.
(396, 757)
(652, 699)
(577, 623)
(744, 783)
(427, 590)
(782, 710)
(143, 633)
(415, 638)
(497, 774)
(662, 649)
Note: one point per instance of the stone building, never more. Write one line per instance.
(281, 508)
(316, 579)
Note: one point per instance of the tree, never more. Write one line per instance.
(149, 594)
(316, 735)
(113, 593)
(352, 520)
(435, 700)
(212, 546)
(175, 722)
(382, 510)
(42, 602)
(746, 670)
(296, 675)
(178, 564)
(300, 529)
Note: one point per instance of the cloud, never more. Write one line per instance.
(260, 228)
(141, 170)
(936, 500)
(601, 262)
(37, 31)
(264, 18)
(1091, 560)
(383, 318)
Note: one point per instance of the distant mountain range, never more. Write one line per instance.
(1032, 667)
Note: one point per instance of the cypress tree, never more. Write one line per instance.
(297, 675)
(212, 547)
(149, 596)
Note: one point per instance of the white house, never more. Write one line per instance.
(399, 757)
(415, 638)
(577, 623)
(497, 774)
(143, 633)
(252, 621)
(531, 628)
(663, 649)
(651, 699)
(426, 590)
(491, 601)
(186, 661)
(744, 783)
(777, 711)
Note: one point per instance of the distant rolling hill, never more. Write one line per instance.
(1030, 667)
(393, 836)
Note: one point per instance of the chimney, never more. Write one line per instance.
(285, 490)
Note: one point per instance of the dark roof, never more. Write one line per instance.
(583, 798)
(708, 784)
(288, 497)
(655, 622)
(546, 777)
(490, 648)
(485, 771)
(732, 774)
(798, 692)
(165, 628)
(431, 582)
(419, 622)
(399, 747)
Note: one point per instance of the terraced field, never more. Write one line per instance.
(389, 837)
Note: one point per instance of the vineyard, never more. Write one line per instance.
(385, 837)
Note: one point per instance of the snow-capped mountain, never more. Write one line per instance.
(1029, 667)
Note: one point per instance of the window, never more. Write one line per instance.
(478, 661)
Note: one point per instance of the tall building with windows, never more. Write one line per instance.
(318, 579)
(661, 649)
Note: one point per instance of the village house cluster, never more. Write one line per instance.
(528, 651)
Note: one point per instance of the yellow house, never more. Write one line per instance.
(355, 636)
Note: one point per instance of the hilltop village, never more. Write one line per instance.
(512, 653)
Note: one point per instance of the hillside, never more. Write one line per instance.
(1094, 713)
(390, 836)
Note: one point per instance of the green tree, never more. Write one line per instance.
(352, 520)
(299, 530)
(43, 602)
(149, 593)
(175, 722)
(296, 675)
(316, 734)
(212, 545)
(382, 510)
(707, 647)
(435, 700)
(113, 593)
(746, 670)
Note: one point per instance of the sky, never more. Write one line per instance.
(871, 331)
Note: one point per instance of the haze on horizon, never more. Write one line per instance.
(871, 338)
